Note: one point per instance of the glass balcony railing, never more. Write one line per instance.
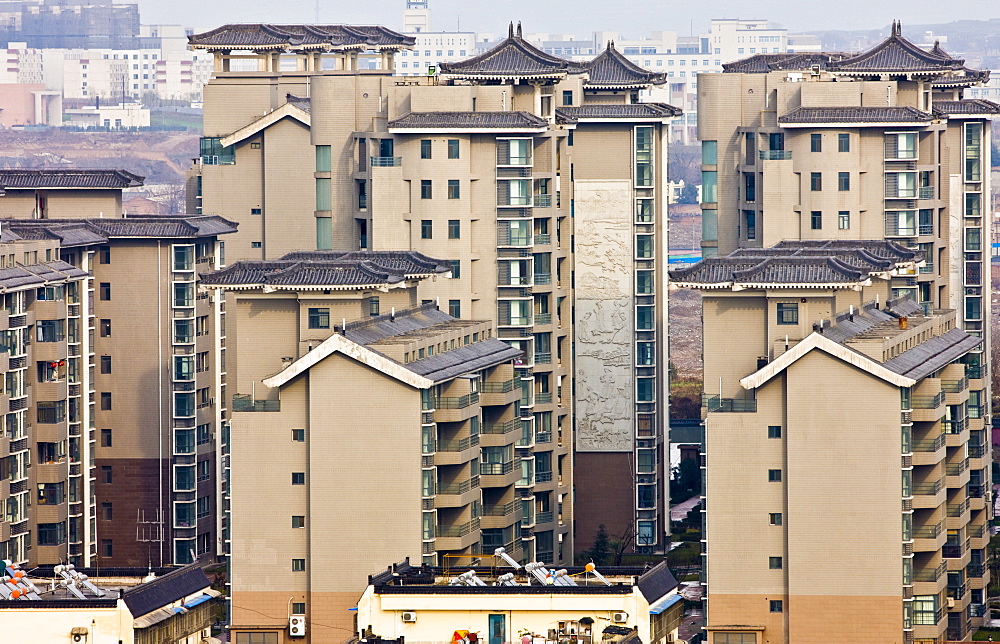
(774, 155)
(243, 402)
(386, 162)
(734, 405)
(496, 469)
(458, 402)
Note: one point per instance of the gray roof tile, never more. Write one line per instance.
(271, 36)
(84, 232)
(855, 114)
(80, 179)
(147, 597)
(897, 54)
(618, 111)
(612, 69)
(512, 58)
(933, 354)
(967, 106)
(514, 120)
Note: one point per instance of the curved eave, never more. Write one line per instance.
(277, 46)
(502, 76)
(636, 85)
(966, 116)
(909, 73)
(854, 286)
(272, 288)
(619, 119)
(843, 124)
(701, 285)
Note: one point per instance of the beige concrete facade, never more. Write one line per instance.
(331, 157)
(798, 150)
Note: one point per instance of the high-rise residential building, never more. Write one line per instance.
(61, 24)
(824, 153)
(374, 424)
(846, 453)
(499, 165)
(135, 372)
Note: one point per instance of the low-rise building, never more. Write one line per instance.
(127, 606)
(52, 194)
(500, 604)
(123, 116)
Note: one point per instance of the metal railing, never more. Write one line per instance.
(973, 371)
(496, 469)
(543, 240)
(543, 278)
(458, 530)
(243, 402)
(542, 398)
(543, 201)
(386, 162)
(543, 517)
(727, 405)
(543, 477)
(975, 492)
(927, 402)
(458, 402)
(459, 488)
(544, 358)
(954, 469)
(928, 531)
(774, 155)
(955, 386)
(931, 575)
(505, 427)
(500, 510)
(927, 489)
(543, 318)
(498, 387)
(925, 192)
(459, 445)
(958, 509)
(543, 437)
(929, 444)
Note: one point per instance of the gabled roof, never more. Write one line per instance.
(263, 36)
(898, 55)
(147, 597)
(828, 346)
(86, 232)
(933, 354)
(616, 112)
(512, 58)
(69, 179)
(857, 116)
(656, 582)
(410, 263)
(763, 63)
(514, 121)
(291, 109)
(611, 70)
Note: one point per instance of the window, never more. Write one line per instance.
(815, 142)
(774, 563)
(105, 291)
(426, 229)
(105, 364)
(425, 148)
(644, 156)
(107, 548)
(256, 211)
(788, 313)
(51, 534)
(844, 220)
(843, 142)
(774, 431)
(298, 435)
(815, 181)
(645, 354)
(454, 189)
(452, 148)
(258, 244)
(454, 229)
(567, 97)
(104, 255)
(298, 521)
(105, 328)
(722, 638)
(51, 493)
(456, 269)
(298, 565)
(299, 608)
(774, 518)
(50, 330)
(319, 318)
(426, 189)
(709, 152)
(298, 478)
(49, 412)
(259, 638)
(777, 606)
(644, 282)
(843, 181)
(925, 609)
(106, 438)
(106, 400)
(644, 246)
(107, 511)
(373, 306)
(816, 220)
(107, 474)
(774, 476)
(455, 308)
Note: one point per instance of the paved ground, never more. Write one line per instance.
(680, 511)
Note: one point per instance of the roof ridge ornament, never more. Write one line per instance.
(510, 29)
(519, 35)
(897, 28)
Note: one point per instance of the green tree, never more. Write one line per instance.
(686, 480)
(600, 552)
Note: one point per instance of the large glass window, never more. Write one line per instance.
(709, 152)
(213, 153)
(788, 313)
(644, 318)
(323, 158)
(49, 330)
(901, 145)
(709, 187)
(644, 246)
(644, 282)
(319, 318)
(183, 294)
(925, 608)
(644, 155)
(973, 151)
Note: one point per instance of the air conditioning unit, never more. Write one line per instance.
(409, 617)
(619, 618)
(79, 635)
(297, 626)
(951, 602)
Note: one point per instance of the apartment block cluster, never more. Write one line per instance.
(846, 331)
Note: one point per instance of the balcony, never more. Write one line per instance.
(543, 477)
(543, 240)
(543, 279)
(386, 162)
(958, 509)
(501, 515)
(774, 155)
(457, 537)
(925, 192)
(456, 408)
(718, 404)
(932, 575)
(927, 402)
(504, 427)
(458, 451)
(455, 495)
(244, 402)
(499, 474)
(543, 318)
(955, 386)
(543, 201)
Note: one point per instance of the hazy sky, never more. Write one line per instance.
(631, 17)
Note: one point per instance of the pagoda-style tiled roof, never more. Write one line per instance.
(632, 111)
(304, 103)
(974, 106)
(897, 55)
(513, 120)
(309, 270)
(763, 63)
(263, 36)
(513, 58)
(856, 115)
(799, 265)
(32, 275)
(86, 232)
(69, 179)
(611, 70)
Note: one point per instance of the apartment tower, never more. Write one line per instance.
(818, 155)
(499, 164)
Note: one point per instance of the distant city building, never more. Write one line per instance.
(116, 117)
(44, 24)
(29, 104)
